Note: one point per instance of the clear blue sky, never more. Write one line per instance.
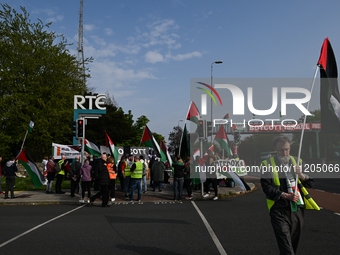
(145, 52)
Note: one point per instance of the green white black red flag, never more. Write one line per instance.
(329, 90)
(148, 140)
(31, 168)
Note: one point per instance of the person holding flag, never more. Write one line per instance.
(9, 171)
(286, 205)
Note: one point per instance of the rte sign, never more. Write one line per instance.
(92, 101)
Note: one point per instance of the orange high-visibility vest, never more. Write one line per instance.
(112, 173)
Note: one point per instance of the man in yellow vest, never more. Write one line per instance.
(60, 175)
(286, 208)
(136, 178)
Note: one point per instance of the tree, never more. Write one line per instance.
(37, 76)
(175, 139)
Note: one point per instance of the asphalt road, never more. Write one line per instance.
(241, 225)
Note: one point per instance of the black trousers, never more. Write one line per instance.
(85, 185)
(74, 186)
(10, 182)
(112, 187)
(104, 193)
(121, 179)
(287, 226)
(207, 185)
(58, 183)
(187, 186)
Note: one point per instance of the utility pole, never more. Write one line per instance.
(80, 49)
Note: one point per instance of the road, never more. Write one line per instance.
(240, 224)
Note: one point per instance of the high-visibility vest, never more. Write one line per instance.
(60, 162)
(127, 169)
(112, 172)
(308, 200)
(138, 172)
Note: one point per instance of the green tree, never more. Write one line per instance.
(37, 76)
(175, 139)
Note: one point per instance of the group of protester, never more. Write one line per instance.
(285, 204)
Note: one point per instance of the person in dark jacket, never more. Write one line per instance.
(178, 178)
(9, 171)
(157, 172)
(102, 175)
(75, 175)
(286, 208)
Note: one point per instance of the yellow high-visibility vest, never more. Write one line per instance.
(127, 169)
(308, 200)
(138, 172)
(60, 162)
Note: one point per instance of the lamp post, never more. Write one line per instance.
(179, 145)
(216, 62)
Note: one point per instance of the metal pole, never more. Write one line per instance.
(211, 101)
(201, 148)
(83, 143)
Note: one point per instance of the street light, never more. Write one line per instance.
(179, 122)
(216, 62)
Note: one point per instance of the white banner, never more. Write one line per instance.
(133, 150)
(70, 151)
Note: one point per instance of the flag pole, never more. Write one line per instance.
(22, 146)
(303, 126)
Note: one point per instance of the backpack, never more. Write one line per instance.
(56, 168)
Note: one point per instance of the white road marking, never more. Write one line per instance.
(211, 232)
(40, 225)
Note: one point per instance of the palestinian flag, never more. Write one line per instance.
(149, 141)
(112, 147)
(233, 127)
(222, 139)
(31, 125)
(226, 116)
(193, 114)
(184, 147)
(196, 153)
(34, 172)
(166, 152)
(329, 90)
(232, 175)
(211, 150)
(92, 148)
